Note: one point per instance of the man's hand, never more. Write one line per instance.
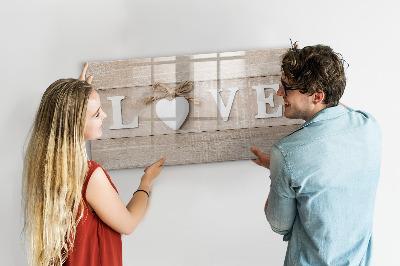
(263, 158)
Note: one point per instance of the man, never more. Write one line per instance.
(324, 175)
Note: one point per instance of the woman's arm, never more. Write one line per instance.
(108, 205)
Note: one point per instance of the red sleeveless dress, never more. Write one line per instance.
(95, 242)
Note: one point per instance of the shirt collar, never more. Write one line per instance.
(326, 114)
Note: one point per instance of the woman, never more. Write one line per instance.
(73, 213)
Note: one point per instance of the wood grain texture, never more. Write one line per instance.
(177, 69)
(203, 116)
(187, 148)
(204, 136)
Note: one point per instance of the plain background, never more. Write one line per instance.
(204, 214)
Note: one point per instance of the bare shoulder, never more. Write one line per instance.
(98, 173)
(98, 184)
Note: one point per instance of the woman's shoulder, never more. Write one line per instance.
(99, 172)
(92, 166)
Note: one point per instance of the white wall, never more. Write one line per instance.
(206, 214)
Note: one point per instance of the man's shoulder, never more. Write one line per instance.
(292, 142)
(365, 116)
(324, 126)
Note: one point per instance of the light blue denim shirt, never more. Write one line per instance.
(324, 178)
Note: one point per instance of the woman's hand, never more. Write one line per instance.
(83, 74)
(151, 172)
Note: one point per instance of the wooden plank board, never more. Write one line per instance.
(219, 71)
(144, 72)
(250, 78)
(187, 148)
(203, 116)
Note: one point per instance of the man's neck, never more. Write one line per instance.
(318, 108)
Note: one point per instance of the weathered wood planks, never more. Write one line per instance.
(205, 136)
(188, 148)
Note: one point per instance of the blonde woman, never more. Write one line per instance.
(73, 213)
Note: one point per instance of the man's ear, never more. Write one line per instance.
(318, 97)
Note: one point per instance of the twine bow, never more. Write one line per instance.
(171, 93)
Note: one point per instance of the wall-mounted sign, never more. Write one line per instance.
(189, 109)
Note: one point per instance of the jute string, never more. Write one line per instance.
(171, 93)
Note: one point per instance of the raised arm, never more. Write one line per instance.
(107, 204)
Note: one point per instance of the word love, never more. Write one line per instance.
(173, 113)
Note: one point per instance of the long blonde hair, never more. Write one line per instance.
(55, 167)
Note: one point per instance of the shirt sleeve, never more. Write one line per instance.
(281, 210)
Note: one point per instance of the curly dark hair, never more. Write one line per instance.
(316, 69)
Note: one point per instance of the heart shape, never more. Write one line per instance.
(173, 113)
